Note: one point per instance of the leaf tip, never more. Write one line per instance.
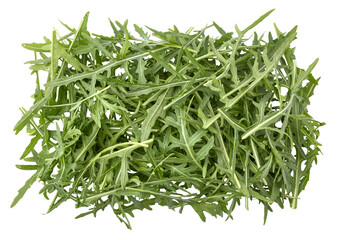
(13, 204)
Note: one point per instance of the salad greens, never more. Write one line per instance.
(130, 120)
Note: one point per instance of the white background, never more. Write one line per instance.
(27, 21)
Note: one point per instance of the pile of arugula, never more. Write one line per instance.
(173, 118)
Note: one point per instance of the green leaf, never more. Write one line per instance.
(98, 45)
(204, 151)
(80, 76)
(24, 189)
(268, 120)
(213, 209)
(87, 142)
(61, 52)
(38, 47)
(152, 115)
(207, 121)
(38, 67)
(122, 177)
(27, 167)
(141, 32)
(29, 114)
(140, 70)
(30, 146)
(256, 22)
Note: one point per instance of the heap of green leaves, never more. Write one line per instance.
(172, 118)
